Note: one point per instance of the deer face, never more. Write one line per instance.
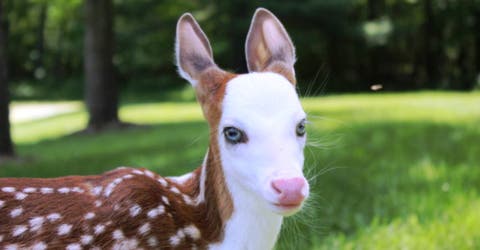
(261, 137)
(257, 121)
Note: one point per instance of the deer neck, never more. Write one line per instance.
(245, 221)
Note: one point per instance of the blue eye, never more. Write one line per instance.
(301, 130)
(234, 135)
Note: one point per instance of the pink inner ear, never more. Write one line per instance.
(191, 42)
(272, 35)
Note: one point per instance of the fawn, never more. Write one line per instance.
(250, 178)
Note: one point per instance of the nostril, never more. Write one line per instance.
(277, 186)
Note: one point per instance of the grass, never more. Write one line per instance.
(388, 171)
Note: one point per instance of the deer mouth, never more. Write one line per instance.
(286, 209)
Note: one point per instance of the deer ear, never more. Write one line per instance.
(192, 49)
(268, 46)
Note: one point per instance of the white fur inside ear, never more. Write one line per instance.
(273, 38)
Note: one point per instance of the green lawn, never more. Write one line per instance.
(388, 171)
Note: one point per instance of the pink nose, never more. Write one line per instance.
(291, 191)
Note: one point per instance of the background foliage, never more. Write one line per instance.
(351, 44)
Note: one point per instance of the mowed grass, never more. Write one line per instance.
(387, 171)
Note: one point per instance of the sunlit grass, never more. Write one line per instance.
(388, 171)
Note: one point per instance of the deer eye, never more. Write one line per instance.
(301, 130)
(234, 135)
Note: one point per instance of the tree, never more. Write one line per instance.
(101, 90)
(6, 145)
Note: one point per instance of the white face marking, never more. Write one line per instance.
(54, 217)
(8, 189)
(46, 190)
(36, 223)
(192, 231)
(145, 228)
(266, 107)
(89, 216)
(118, 234)
(64, 229)
(74, 246)
(39, 246)
(135, 210)
(20, 196)
(30, 190)
(16, 212)
(99, 229)
(19, 230)
(86, 239)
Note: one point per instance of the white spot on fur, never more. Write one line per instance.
(98, 203)
(64, 229)
(89, 216)
(118, 234)
(162, 182)
(30, 190)
(109, 189)
(152, 241)
(19, 230)
(99, 229)
(16, 212)
(54, 217)
(86, 239)
(156, 211)
(165, 200)
(39, 246)
(175, 190)
(8, 189)
(181, 179)
(20, 196)
(36, 223)
(177, 238)
(135, 210)
(74, 246)
(11, 247)
(117, 181)
(192, 231)
(78, 190)
(149, 174)
(97, 190)
(145, 228)
(188, 200)
(128, 176)
(1, 237)
(2, 203)
(136, 171)
(64, 190)
(46, 190)
(126, 244)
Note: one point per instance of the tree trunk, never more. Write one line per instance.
(6, 145)
(432, 47)
(101, 90)
(40, 46)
